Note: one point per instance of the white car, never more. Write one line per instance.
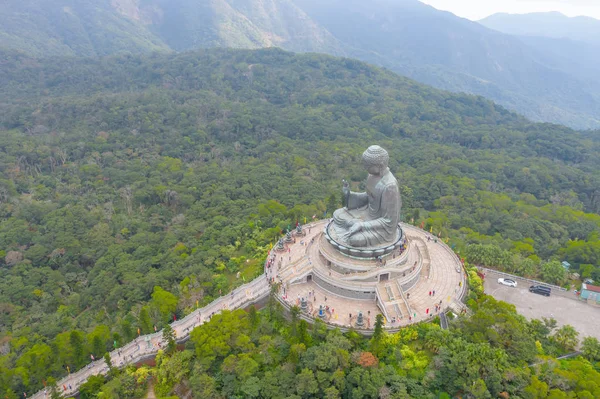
(508, 282)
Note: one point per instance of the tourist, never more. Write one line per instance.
(433, 292)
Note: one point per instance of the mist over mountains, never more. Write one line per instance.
(546, 24)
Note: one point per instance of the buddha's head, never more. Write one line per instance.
(375, 159)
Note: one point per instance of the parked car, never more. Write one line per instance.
(508, 282)
(540, 289)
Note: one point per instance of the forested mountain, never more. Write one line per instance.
(262, 355)
(72, 27)
(456, 54)
(405, 36)
(546, 24)
(191, 24)
(133, 186)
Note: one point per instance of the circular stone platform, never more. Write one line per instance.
(365, 253)
(406, 286)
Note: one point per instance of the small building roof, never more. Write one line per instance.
(589, 287)
(566, 264)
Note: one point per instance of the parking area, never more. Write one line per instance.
(563, 306)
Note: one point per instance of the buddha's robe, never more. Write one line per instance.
(378, 210)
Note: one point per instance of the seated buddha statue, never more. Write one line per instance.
(370, 219)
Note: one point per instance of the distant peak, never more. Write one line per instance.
(529, 14)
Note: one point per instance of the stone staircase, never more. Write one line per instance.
(392, 300)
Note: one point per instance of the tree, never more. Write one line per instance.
(76, 342)
(306, 384)
(108, 362)
(366, 360)
(55, 391)
(168, 336)
(90, 388)
(554, 272)
(566, 337)
(590, 347)
(378, 334)
(145, 321)
(164, 302)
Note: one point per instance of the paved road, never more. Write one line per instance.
(565, 309)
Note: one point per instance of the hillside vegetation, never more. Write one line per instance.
(134, 187)
(262, 355)
(72, 27)
(552, 81)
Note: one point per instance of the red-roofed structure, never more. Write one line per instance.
(590, 292)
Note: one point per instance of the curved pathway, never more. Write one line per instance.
(442, 275)
(147, 346)
(292, 262)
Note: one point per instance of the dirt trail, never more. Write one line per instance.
(150, 394)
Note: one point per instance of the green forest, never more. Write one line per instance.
(262, 355)
(135, 188)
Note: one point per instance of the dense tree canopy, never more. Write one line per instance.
(250, 355)
(132, 188)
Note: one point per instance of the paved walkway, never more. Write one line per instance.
(443, 278)
(446, 277)
(294, 261)
(148, 345)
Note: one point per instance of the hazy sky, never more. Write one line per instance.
(477, 9)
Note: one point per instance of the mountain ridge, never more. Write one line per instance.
(407, 37)
(546, 24)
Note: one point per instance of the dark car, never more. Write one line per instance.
(540, 289)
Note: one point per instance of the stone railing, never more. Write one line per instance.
(381, 304)
(351, 291)
(408, 309)
(406, 285)
(345, 261)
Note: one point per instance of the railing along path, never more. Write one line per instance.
(147, 346)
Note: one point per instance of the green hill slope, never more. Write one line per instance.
(71, 27)
(452, 53)
(127, 176)
(406, 36)
(239, 24)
